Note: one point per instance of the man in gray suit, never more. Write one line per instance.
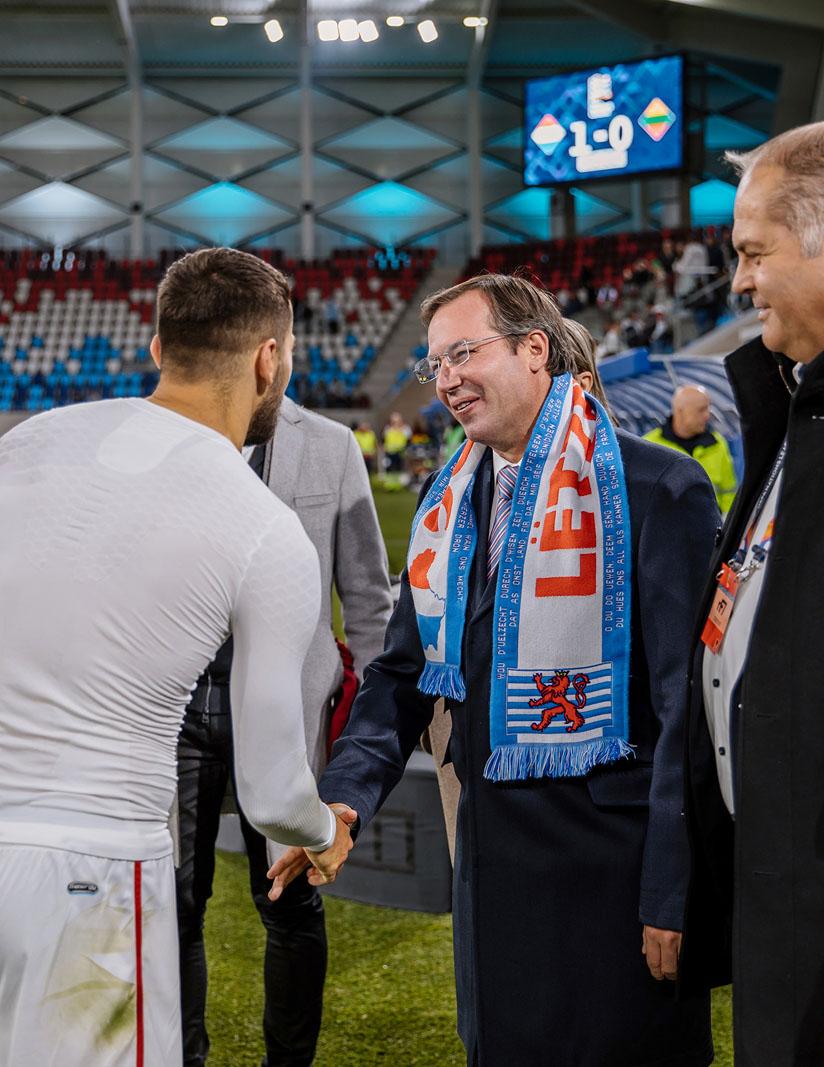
(314, 465)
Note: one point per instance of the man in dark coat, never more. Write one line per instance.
(756, 728)
(559, 882)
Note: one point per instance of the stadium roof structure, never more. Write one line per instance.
(521, 36)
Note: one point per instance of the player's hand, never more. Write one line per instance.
(296, 860)
(326, 864)
(662, 949)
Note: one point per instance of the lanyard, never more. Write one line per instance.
(759, 551)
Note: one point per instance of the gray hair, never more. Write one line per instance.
(798, 203)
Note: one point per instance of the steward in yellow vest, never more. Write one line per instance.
(687, 430)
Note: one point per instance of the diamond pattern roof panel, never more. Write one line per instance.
(14, 115)
(445, 115)
(58, 94)
(223, 148)
(528, 211)
(388, 147)
(389, 213)
(387, 95)
(163, 183)
(508, 146)
(60, 214)
(58, 147)
(224, 214)
(224, 93)
(162, 116)
(281, 182)
(448, 181)
(281, 115)
(14, 182)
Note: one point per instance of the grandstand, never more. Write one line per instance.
(78, 327)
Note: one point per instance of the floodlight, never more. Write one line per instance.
(368, 31)
(219, 20)
(273, 30)
(348, 29)
(395, 20)
(328, 30)
(428, 31)
(472, 22)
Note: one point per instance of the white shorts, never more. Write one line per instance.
(88, 961)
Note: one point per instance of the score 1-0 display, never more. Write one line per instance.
(605, 122)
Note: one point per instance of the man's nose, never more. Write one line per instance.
(742, 282)
(448, 376)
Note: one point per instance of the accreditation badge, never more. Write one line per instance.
(721, 610)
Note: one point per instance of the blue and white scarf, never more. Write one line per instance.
(561, 628)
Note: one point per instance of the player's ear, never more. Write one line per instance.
(154, 349)
(266, 362)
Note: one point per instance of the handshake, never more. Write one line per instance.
(325, 865)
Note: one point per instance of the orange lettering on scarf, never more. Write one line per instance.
(432, 519)
(568, 538)
(583, 584)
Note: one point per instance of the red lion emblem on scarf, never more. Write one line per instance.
(554, 693)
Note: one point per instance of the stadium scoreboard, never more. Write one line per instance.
(611, 121)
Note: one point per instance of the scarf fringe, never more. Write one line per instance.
(443, 680)
(517, 763)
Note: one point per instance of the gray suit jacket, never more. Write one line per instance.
(315, 466)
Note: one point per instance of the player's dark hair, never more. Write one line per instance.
(214, 306)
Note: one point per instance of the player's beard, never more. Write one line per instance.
(262, 427)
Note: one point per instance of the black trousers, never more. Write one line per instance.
(295, 958)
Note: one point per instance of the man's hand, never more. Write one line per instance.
(661, 948)
(325, 865)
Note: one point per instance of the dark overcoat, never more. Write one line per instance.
(767, 869)
(554, 878)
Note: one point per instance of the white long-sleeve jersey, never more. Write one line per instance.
(132, 540)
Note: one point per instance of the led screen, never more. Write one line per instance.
(604, 122)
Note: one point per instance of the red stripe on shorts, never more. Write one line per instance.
(138, 949)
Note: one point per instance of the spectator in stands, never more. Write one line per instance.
(368, 444)
(691, 269)
(687, 430)
(660, 337)
(756, 732)
(539, 822)
(666, 256)
(396, 434)
(717, 299)
(332, 315)
(312, 465)
(612, 343)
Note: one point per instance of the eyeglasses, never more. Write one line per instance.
(428, 368)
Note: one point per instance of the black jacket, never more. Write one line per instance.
(767, 870)
(553, 877)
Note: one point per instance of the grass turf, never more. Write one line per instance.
(389, 992)
(390, 995)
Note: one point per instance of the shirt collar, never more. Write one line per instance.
(498, 462)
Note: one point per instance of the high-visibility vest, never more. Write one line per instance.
(715, 459)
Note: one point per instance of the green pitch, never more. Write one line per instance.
(390, 997)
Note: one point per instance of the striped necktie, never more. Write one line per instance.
(507, 476)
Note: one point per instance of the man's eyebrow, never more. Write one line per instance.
(747, 244)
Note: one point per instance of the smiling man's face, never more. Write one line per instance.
(786, 287)
(497, 394)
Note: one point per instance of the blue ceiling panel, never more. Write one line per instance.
(389, 213)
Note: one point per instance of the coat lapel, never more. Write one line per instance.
(482, 592)
(282, 477)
